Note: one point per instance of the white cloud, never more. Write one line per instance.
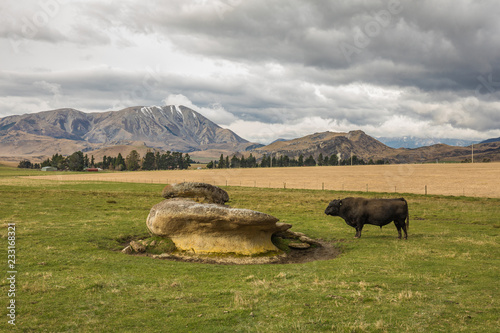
(264, 69)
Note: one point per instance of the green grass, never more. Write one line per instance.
(73, 278)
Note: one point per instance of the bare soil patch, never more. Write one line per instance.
(326, 251)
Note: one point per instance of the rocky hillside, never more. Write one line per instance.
(366, 147)
(329, 143)
(175, 128)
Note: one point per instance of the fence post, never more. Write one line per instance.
(425, 189)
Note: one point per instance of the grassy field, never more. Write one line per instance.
(71, 276)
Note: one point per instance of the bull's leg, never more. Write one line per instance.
(358, 231)
(401, 225)
(399, 229)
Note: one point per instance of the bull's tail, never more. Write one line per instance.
(407, 215)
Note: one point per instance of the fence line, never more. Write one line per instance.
(457, 180)
(318, 185)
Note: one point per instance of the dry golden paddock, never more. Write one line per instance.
(478, 179)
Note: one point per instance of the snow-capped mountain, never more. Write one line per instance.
(175, 128)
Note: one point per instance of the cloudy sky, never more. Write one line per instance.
(265, 69)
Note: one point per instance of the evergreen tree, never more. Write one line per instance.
(132, 161)
(177, 161)
(46, 163)
(162, 163)
(334, 160)
(286, 161)
(148, 162)
(221, 161)
(104, 162)
(76, 161)
(251, 161)
(310, 161)
(235, 162)
(120, 162)
(320, 159)
(157, 160)
(59, 162)
(187, 161)
(274, 162)
(25, 164)
(266, 162)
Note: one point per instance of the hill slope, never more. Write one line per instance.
(330, 143)
(366, 147)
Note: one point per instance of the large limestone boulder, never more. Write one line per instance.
(200, 192)
(211, 228)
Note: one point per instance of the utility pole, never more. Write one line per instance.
(472, 153)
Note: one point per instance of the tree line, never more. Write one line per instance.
(133, 161)
(285, 161)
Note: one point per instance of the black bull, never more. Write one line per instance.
(360, 211)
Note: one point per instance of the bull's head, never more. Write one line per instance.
(333, 208)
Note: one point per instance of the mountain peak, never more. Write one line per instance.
(170, 127)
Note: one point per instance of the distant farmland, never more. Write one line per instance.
(477, 180)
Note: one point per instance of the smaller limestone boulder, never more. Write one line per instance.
(128, 250)
(137, 247)
(308, 240)
(199, 192)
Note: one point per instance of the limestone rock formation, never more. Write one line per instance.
(200, 192)
(211, 228)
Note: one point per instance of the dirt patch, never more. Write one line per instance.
(296, 256)
(326, 251)
(322, 251)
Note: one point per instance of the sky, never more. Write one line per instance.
(264, 69)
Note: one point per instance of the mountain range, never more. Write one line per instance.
(175, 128)
(491, 140)
(178, 128)
(416, 142)
(366, 147)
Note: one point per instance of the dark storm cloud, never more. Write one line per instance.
(448, 43)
